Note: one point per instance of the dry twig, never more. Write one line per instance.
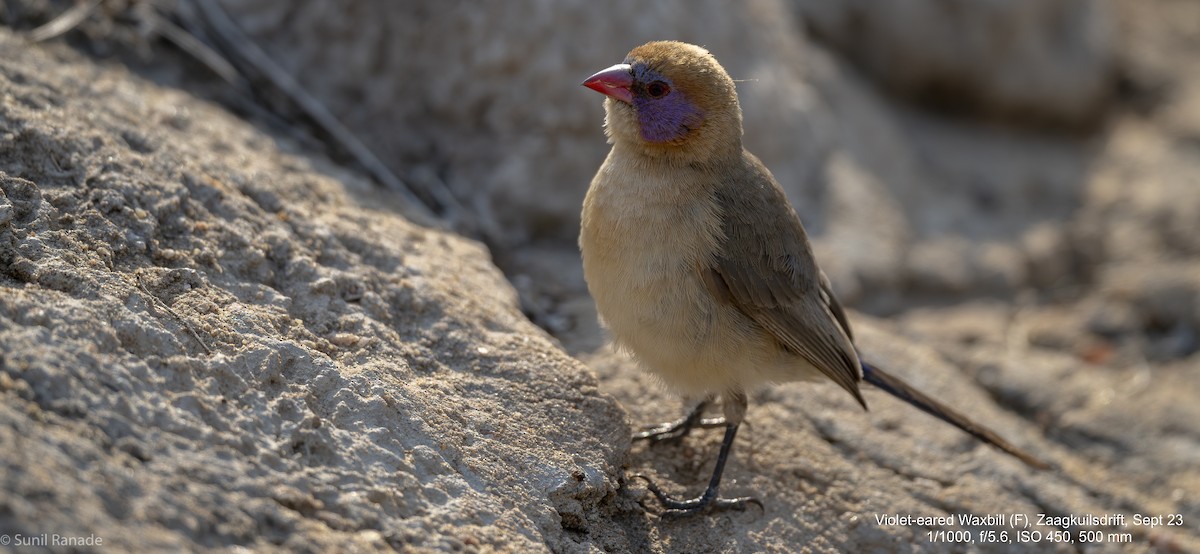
(187, 324)
(66, 21)
(246, 54)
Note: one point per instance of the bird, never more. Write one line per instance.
(700, 267)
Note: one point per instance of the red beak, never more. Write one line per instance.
(614, 82)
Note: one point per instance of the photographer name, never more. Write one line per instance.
(55, 539)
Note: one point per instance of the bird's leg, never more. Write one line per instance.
(735, 410)
(673, 430)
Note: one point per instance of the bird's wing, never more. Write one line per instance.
(767, 271)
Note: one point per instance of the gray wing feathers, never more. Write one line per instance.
(774, 280)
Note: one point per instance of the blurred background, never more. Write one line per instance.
(1014, 184)
(1017, 174)
(954, 160)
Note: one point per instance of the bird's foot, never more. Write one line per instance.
(675, 430)
(707, 502)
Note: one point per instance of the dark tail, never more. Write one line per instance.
(907, 393)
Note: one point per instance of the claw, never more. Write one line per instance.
(675, 430)
(707, 502)
(735, 408)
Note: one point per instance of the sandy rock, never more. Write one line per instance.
(1161, 305)
(208, 342)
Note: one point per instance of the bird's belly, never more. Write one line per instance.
(642, 258)
(680, 332)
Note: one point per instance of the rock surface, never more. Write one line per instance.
(210, 341)
(211, 337)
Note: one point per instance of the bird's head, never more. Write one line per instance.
(671, 99)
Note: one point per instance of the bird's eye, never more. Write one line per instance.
(658, 89)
